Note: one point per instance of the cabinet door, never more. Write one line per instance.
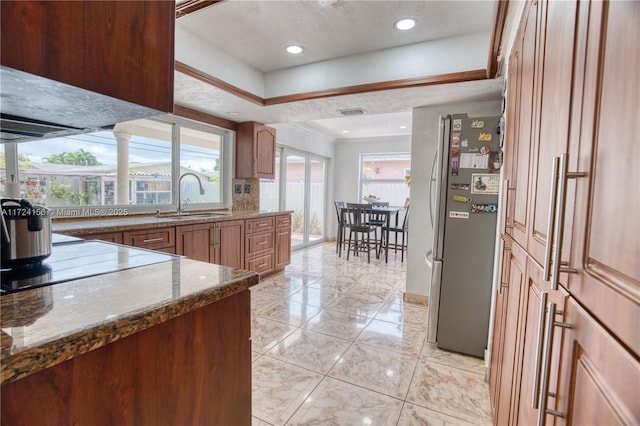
(506, 346)
(519, 129)
(110, 237)
(606, 254)
(283, 247)
(228, 247)
(557, 26)
(123, 49)
(533, 331)
(163, 239)
(194, 241)
(600, 379)
(265, 152)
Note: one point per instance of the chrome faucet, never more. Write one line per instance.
(181, 206)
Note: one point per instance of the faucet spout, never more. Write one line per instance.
(182, 206)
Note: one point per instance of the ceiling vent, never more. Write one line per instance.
(352, 111)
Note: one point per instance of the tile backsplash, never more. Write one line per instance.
(246, 194)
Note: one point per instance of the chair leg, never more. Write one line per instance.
(368, 246)
(402, 249)
(349, 244)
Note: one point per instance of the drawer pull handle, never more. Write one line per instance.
(153, 240)
(261, 243)
(260, 225)
(536, 372)
(260, 266)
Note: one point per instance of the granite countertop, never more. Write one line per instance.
(137, 222)
(45, 326)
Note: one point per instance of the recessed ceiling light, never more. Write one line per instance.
(404, 24)
(345, 131)
(403, 127)
(294, 49)
(235, 114)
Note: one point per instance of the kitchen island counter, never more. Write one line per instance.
(45, 326)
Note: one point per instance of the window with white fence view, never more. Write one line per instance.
(132, 165)
(385, 177)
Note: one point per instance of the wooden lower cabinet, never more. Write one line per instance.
(228, 243)
(599, 378)
(110, 237)
(160, 239)
(505, 350)
(194, 241)
(191, 370)
(268, 243)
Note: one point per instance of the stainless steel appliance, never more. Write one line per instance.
(26, 233)
(464, 211)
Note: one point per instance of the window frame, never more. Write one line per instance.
(12, 150)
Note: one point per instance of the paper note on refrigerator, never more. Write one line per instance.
(474, 161)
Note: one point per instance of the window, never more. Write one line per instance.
(135, 165)
(385, 176)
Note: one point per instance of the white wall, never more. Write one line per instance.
(426, 126)
(347, 163)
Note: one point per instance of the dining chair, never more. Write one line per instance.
(342, 226)
(358, 220)
(379, 220)
(402, 231)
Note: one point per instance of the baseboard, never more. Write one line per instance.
(416, 299)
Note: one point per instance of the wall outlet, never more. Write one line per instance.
(247, 188)
(237, 188)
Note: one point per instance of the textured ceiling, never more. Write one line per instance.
(256, 32)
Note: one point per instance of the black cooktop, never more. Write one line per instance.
(72, 260)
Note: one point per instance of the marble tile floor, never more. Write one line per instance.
(334, 344)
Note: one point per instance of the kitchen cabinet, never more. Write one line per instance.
(122, 49)
(194, 241)
(576, 329)
(605, 252)
(506, 354)
(259, 244)
(598, 376)
(228, 243)
(255, 151)
(550, 132)
(163, 375)
(160, 239)
(110, 237)
(519, 121)
(283, 241)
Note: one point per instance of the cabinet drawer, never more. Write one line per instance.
(110, 237)
(151, 239)
(256, 243)
(259, 225)
(262, 263)
(283, 221)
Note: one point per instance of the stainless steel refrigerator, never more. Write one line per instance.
(464, 197)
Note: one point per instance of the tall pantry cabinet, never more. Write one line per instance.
(567, 325)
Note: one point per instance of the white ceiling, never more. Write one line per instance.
(256, 32)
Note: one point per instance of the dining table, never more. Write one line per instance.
(387, 212)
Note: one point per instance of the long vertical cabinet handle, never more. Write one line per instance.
(546, 364)
(505, 190)
(504, 250)
(536, 371)
(558, 234)
(550, 219)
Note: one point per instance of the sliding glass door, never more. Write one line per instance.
(301, 188)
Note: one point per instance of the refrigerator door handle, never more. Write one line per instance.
(428, 258)
(431, 181)
(434, 302)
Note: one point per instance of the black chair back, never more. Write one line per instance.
(359, 216)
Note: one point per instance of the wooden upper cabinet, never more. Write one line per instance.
(521, 109)
(122, 49)
(606, 247)
(255, 151)
(554, 83)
